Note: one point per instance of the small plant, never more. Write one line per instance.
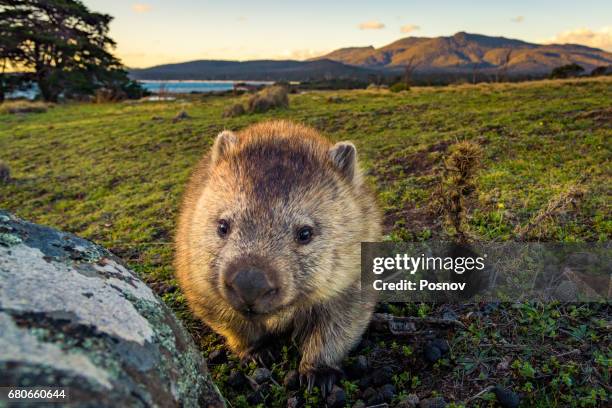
(399, 87)
(5, 173)
(457, 184)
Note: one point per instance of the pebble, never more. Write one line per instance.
(236, 379)
(437, 402)
(387, 391)
(449, 315)
(292, 380)
(506, 398)
(336, 398)
(411, 401)
(181, 115)
(217, 357)
(382, 376)
(432, 353)
(261, 375)
(255, 398)
(372, 397)
(359, 367)
(441, 344)
(293, 402)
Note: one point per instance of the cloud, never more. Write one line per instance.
(601, 38)
(408, 28)
(518, 19)
(141, 7)
(301, 54)
(371, 25)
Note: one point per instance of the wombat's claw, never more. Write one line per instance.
(262, 357)
(324, 378)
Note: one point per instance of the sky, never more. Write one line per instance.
(151, 32)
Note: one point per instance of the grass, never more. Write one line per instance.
(114, 173)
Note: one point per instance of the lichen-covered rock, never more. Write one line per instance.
(73, 316)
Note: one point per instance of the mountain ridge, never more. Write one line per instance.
(466, 51)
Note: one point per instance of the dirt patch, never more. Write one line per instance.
(418, 163)
(601, 116)
(399, 166)
(415, 219)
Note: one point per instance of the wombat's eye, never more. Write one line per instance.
(304, 235)
(223, 228)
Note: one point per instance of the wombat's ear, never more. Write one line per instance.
(223, 143)
(344, 158)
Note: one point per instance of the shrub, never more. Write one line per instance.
(5, 173)
(269, 98)
(399, 87)
(234, 110)
(567, 71)
(602, 70)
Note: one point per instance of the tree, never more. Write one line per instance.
(62, 43)
(567, 71)
(409, 68)
(502, 75)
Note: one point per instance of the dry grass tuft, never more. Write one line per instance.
(457, 184)
(269, 98)
(21, 106)
(562, 203)
(234, 110)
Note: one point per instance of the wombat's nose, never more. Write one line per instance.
(250, 285)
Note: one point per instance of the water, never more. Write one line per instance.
(166, 86)
(194, 86)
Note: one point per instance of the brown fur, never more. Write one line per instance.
(269, 179)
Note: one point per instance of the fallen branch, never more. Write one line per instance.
(481, 393)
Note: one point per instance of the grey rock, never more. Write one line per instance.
(261, 375)
(336, 398)
(387, 391)
(506, 398)
(236, 379)
(566, 291)
(293, 402)
(441, 344)
(73, 315)
(432, 353)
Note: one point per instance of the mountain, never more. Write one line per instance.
(464, 52)
(459, 54)
(262, 70)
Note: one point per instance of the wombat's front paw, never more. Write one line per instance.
(323, 377)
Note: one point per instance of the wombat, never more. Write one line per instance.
(268, 243)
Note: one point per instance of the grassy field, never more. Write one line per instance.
(114, 173)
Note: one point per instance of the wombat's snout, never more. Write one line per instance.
(251, 290)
